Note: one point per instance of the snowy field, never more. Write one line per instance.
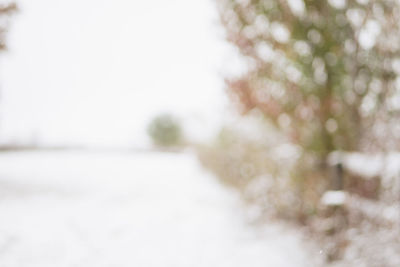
(118, 209)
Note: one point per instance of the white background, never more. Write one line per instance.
(96, 71)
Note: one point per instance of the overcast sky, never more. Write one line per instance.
(96, 71)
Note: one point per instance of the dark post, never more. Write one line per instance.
(338, 177)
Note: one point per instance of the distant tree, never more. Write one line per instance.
(165, 131)
(326, 73)
(5, 11)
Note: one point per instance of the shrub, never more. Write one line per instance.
(165, 131)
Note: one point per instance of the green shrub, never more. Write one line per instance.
(165, 131)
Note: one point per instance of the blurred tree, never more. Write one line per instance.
(165, 131)
(323, 72)
(5, 11)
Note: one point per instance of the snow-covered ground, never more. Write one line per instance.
(119, 209)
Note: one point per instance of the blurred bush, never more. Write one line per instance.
(324, 74)
(268, 172)
(254, 159)
(165, 131)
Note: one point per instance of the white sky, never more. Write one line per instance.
(96, 71)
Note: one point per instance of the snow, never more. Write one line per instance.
(126, 209)
(367, 166)
(333, 198)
